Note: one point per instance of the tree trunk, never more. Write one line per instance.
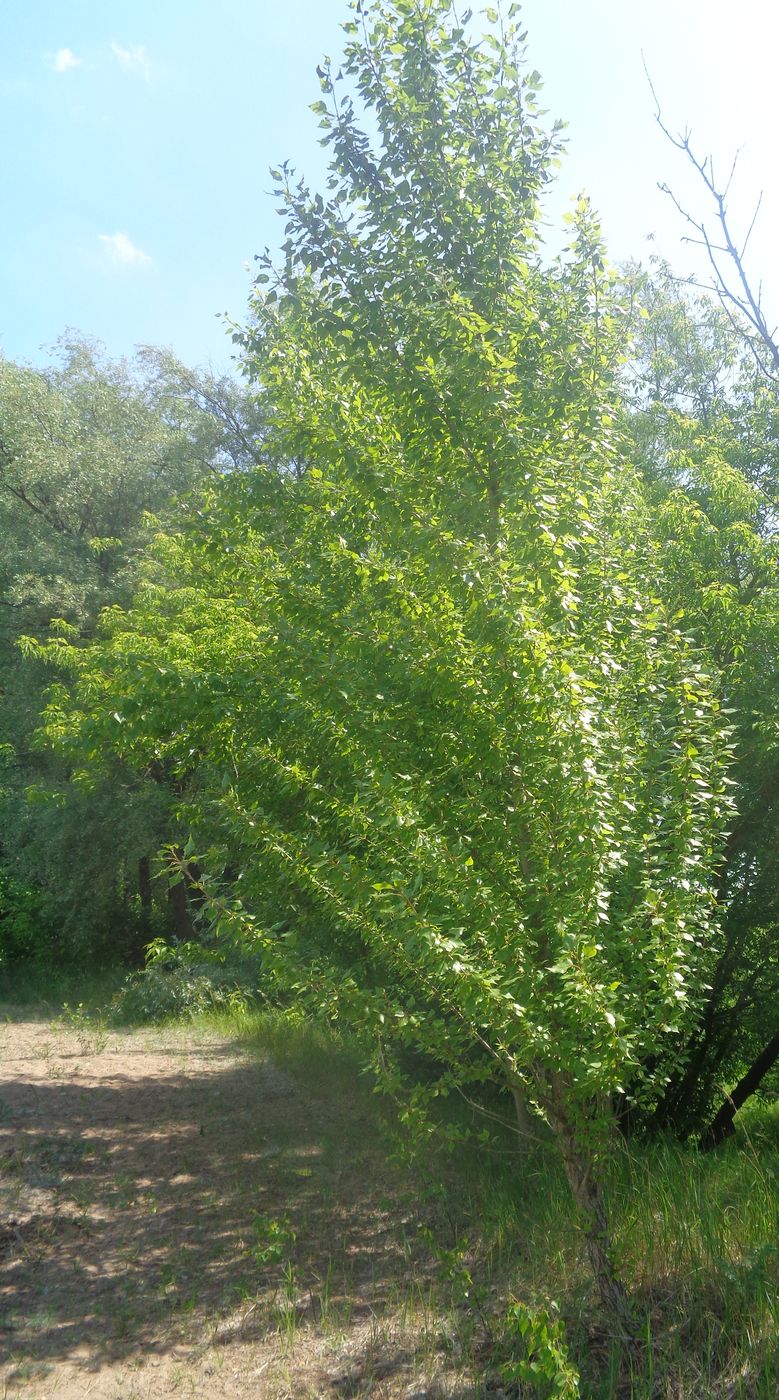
(680, 1092)
(144, 887)
(193, 876)
(674, 1108)
(589, 1199)
(581, 1171)
(722, 1125)
(182, 920)
(525, 1120)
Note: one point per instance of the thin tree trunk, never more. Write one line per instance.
(674, 1107)
(525, 1121)
(193, 876)
(722, 1125)
(589, 1199)
(681, 1090)
(581, 1171)
(180, 897)
(144, 886)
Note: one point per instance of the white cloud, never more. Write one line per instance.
(136, 58)
(122, 251)
(65, 59)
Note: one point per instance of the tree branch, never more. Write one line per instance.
(732, 284)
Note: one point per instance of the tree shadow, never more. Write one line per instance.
(135, 1202)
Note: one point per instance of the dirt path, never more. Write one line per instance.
(180, 1218)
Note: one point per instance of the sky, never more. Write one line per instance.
(138, 138)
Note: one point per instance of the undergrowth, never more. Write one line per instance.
(39, 991)
(184, 981)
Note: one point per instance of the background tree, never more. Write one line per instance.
(88, 448)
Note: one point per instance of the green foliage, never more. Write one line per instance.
(446, 760)
(76, 847)
(89, 1027)
(706, 427)
(540, 1361)
(271, 1240)
(25, 934)
(436, 718)
(89, 451)
(185, 981)
(157, 994)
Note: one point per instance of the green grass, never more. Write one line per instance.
(697, 1237)
(31, 989)
(324, 1060)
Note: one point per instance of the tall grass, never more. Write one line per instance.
(697, 1236)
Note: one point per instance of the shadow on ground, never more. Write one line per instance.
(145, 1189)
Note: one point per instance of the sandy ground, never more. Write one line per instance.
(179, 1218)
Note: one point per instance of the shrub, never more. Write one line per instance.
(180, 983)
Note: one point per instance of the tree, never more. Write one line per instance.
(88, 448)
(751, 1025)
(465, 775)
(219, 414)
(729, 279)
(705, 426)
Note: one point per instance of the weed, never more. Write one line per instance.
(286, 1309)
(271, 1240)
(538, 1353)
(125, 1191)
(89, 1027)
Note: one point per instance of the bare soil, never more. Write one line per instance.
(179, 1217)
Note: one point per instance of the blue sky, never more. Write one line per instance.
(136, 180)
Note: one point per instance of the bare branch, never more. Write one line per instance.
(731, 283)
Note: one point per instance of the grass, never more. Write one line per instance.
(697, 1238)
(486, 1278)
(30, 989)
